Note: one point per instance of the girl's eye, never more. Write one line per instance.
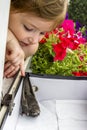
(43, 33)
(28, 29)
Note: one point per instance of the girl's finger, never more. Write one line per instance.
(7, 64)
(13, 72)
(22, 69)
(8, 70)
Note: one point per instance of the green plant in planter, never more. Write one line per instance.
(78, 11)
(61, 52)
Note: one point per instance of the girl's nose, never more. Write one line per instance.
(34, 39)
(30, 40)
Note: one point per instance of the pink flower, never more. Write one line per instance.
(68, 25)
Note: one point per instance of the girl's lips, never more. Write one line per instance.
(23, 44)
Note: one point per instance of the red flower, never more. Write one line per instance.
(80, 73)
(60, 52)
(76, 73)
(66, 40)
(47, 35)
(55, 31)
(43, 40)
(73, 43)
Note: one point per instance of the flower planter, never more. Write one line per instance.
(49, 87)
(59, 87)
(61, 52)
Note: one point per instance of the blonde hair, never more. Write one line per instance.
(47, 9)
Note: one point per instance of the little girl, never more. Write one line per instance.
(29, 20)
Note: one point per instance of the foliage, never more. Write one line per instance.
(62, 52)
(78, 11)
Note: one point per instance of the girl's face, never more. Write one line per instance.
(29, 30)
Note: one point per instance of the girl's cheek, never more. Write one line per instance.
(41, 38)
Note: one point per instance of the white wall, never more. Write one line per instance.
(4, 13)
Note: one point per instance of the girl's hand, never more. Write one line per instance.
(14, 56)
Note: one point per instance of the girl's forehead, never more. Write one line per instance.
(37, 22)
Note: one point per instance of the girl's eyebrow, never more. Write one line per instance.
(38, 27)
(33, 25)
